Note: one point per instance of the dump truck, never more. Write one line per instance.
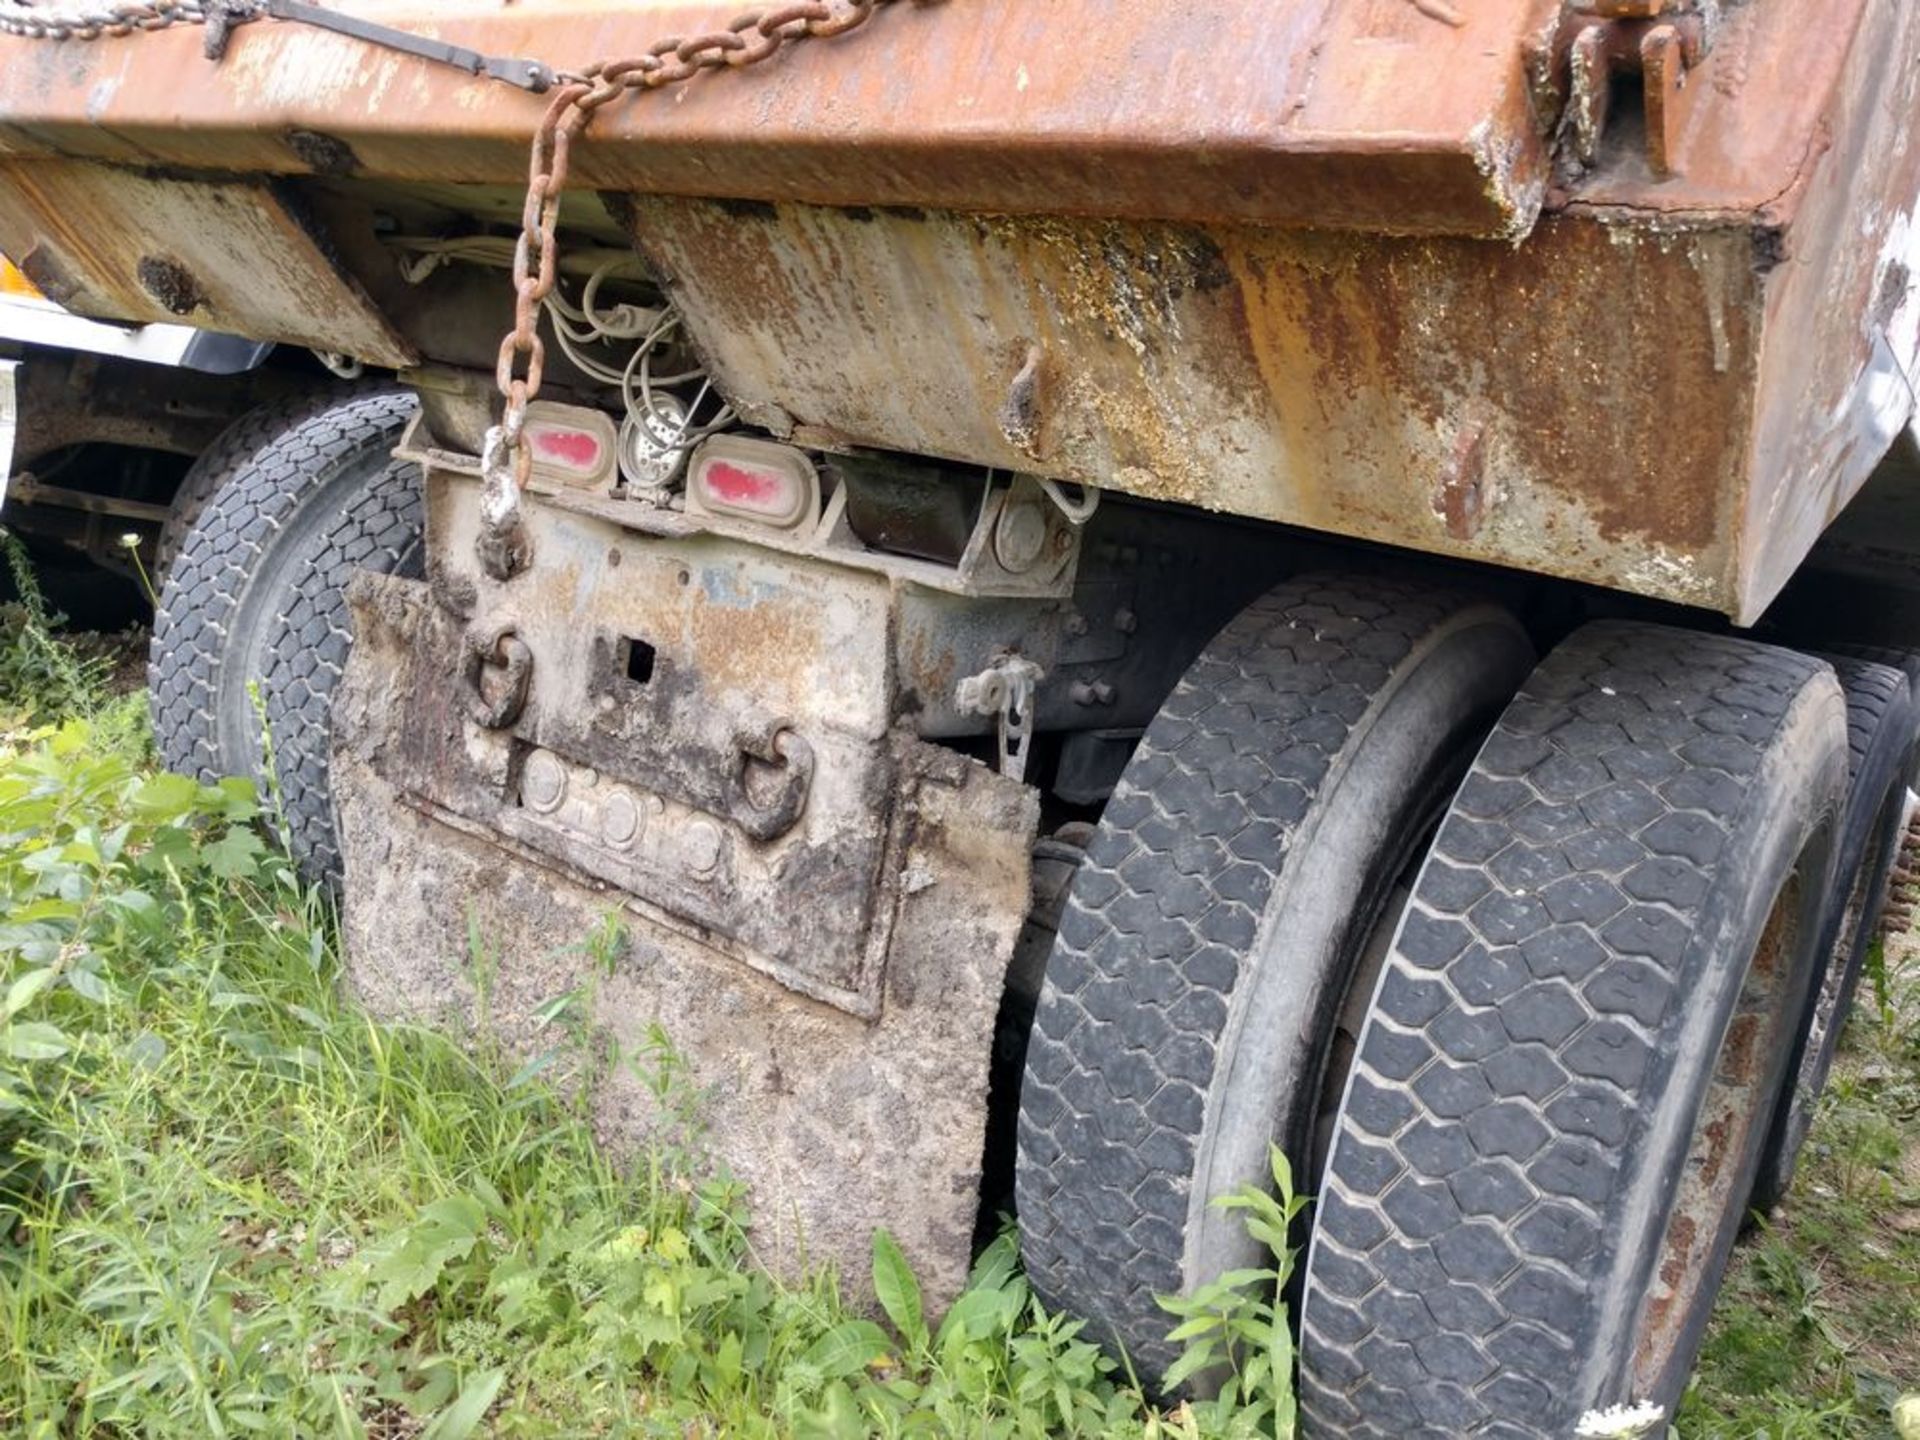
(1051, 597)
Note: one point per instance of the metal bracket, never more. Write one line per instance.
(526, 74)
(783, 752)
(496, 703)
(1664, 41)
(1005, 688)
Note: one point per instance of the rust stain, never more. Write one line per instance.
(746, 644)
(1323, 380)
(1713, 1147)
(229, 253)
(1738, 1056)
(978, 106)
(1638, 367)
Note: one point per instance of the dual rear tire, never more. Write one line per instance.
(1561, 1059)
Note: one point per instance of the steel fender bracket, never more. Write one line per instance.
(1662, 44)
(837, 1124)
(228, 255)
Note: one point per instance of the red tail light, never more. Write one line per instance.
(572, 445)
(755, 480)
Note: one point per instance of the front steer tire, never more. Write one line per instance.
(1191, 1002)
(256, 598)
(1577, 1043)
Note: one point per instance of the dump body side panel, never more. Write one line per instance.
(1476, 399)
(1841, 358)
(1352, 113)
(1121, 194)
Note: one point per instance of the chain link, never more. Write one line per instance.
(31, 23)
(749, 39)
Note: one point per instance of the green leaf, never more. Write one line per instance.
(147, 1050)
(33, 1040)
(1192, 1329)
(998, 1264)
(46, 908)
(898, 1291)
(237, 799)
(974, 1316)
(1282, 1172)
(134, 902)
(165, 797)
(847, 1349)
(530, 1071)
(88, 983)
(408, 1264)
(20, 994)
(727, 1360)
(469, 1408)
(235, 855)
(1194, 1359)
(1280, 1381)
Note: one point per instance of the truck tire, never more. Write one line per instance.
(1577, 1044)
(1214, 929)
(1881, 727)
(231, 449)
(257, 597)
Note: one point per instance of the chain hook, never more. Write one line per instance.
(503, 547)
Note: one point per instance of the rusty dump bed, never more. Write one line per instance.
(1582, 288)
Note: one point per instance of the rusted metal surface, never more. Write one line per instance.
(1362, 113)
(1675, 380)
(75, 399)
(1769, 104)
(758, 712)
(1742, 1091)
(1334, 382)
(223, 255)
(1841, 361)
(1903, 893)
(1657, 42)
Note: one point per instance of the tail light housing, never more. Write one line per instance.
(572, 445)
(738, 478)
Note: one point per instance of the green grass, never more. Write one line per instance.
(1817, 1333)
(232, 1203)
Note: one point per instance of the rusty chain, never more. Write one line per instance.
(31, 23)
(749, 39)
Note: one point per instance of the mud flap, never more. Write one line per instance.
(856, 1106)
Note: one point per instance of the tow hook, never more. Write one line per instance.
(785, 753)
(497, 703)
